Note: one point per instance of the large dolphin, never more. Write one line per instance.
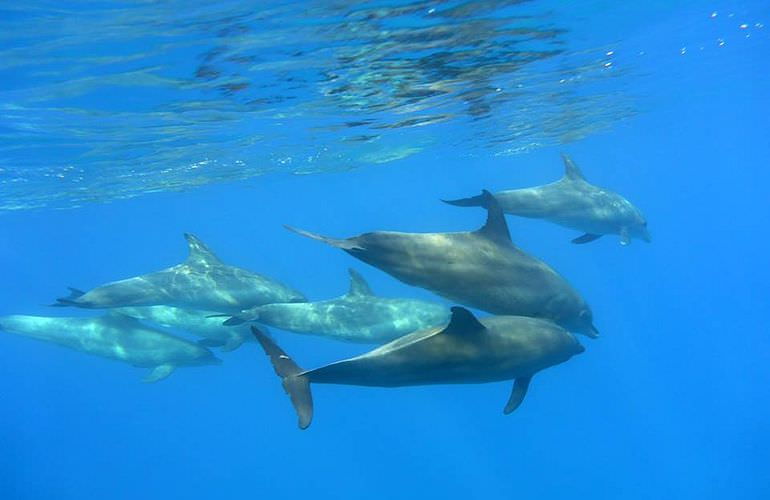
(481, 269)
(114, 336)
(466, 351)
(357, 316)
(193, 321)
(574, 203)
(200, 282)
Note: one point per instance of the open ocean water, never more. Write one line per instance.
(124, 125)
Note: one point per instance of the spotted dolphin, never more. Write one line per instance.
(202, 281)
(574, 203)
(193, 321)
(114, 336)
(358, 316)
(465, 351)
(481, 269)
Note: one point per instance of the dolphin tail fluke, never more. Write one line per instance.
(296, 385)
(338, 243)
(473, 201)
(71, 299)
(485, 199)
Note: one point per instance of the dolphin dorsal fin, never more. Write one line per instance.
(571, 171)
(496, 228)
(463, 322)
(199, 253)
(358, 285)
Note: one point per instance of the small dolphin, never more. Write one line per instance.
(574, 203)
(481, 269)
(466, 351)
(357, 316)
(114, 336)
(193, 321)
(200, 282)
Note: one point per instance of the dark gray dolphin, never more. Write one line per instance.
(357, 316)
(200, 282)
(114, 336)
(481, 269)
(194, 321)
(574, 203)
(466, 351)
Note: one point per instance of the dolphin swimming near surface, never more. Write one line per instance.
(193, 321)
(114, 336)
(481, 269)
(357, 316)
(200, 282)
(574, 203)
(466, 351)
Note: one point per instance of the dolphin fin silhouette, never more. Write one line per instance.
(295, 383)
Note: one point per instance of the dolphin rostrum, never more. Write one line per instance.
(481, 269)
(466, 351)
(114, 336)
(194, 321)
(357, 316)
(200, 282)
(574, 203)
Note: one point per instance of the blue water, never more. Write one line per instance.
(670, 402)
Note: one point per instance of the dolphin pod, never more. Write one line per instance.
(200, 282)
(481, 269)
(534, 308)
(574, 203)
(114, 336)
(358, 316)
(465, 351)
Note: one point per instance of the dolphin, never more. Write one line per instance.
(358, 316)
(465, 351)
(114, 336)
(200, 282)
(574, 203)
(193, 321)
(481, 269)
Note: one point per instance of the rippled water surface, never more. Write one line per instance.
(109, 100)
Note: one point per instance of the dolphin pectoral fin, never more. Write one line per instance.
(343, 244)
(296, 385)
(233, 343)
(473, 201)
(159, 373)
(625, 237)
(520, 386)
(586, 238)
(234, 321)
